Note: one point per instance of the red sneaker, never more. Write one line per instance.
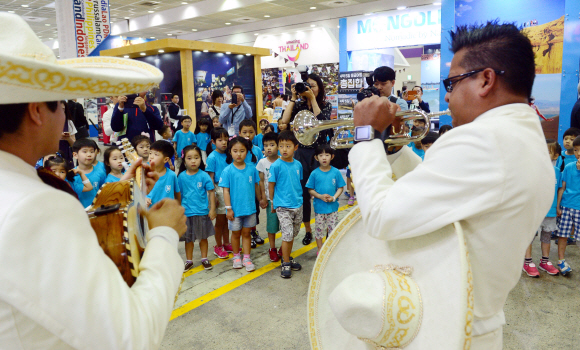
(220, 252)
(549, 268)
(531, 270)
(274, 255)
(228, 248)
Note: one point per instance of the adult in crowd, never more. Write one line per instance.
(68, 135)
(313, 100)
(173, 110)
(384, 80)
(278, 101)
(575, 116)
(217, 97)
(231, 115)
(75, 296)
(482, 186)
(205, 106)
(107, 130)
(141, 117)
(418, 101)
(79, 119)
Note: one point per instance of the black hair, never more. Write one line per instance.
(173, 95)
(164, 129)
(288, 135)
(571, 132)
(186, 149)
(383, 74)
(247, 122)
(269, 126)
(555, 147)
(324, 148)
(140, 138)
(107, 155)
(421, 120)
(498, 46)
(12, 116)
(59, 161)
(238, 87)
(419, 86)
(576, 142)
(215, 95)
(84, 142)
(321, 98)
(263, 120)
(270, 136)
(185, 117)
(218, 133)
(203, 121)
(431, 137)
(245, 143)
(444, 128)
(164, 147)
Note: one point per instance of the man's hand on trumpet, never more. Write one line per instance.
(377, 112)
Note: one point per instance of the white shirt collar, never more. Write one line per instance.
(12, 163)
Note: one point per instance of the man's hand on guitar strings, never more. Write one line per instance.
(151, 176)
(166, 212)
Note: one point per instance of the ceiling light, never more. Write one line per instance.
(49, 38)
(142, 54)
(194, 30)
(267, 16)
(248, 54)
(228, 23)
(368, 14)
(47, 24)
(313, 25)
(313, 8)
(161, 51)
(169, 34)
(436, 3)
(184, 3)
(110, 22)
(24, 5)
(126, 56)
(10, 11)
(151, 37)
(257, 34)
(228, 53)
(126, 17)
(401, 7)
(205, 50)
(337, 26)
(151, 11)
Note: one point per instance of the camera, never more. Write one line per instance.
(131, 100)
(235, 98)
(302, 87)
(371, 90)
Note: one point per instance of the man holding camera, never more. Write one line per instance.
(140, 117)
(384, 80)
(232, 115)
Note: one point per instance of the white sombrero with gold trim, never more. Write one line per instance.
(414, 293)
(29, 71)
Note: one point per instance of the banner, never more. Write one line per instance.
(350, 82)
(91, 23)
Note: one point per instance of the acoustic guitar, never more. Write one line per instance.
(114, 215)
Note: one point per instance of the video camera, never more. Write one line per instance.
(302, 87)
(371, 90)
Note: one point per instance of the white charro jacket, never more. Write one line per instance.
(494, 175)
(58, 290)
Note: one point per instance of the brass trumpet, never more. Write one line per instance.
(306, 128)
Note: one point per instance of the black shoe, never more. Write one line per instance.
(286, 270)
(307, 238)
(256, 237)
(253, 243)
(294, 265)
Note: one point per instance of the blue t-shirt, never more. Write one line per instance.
(100, 166)
(287, 176)
(183, 139)
(216, 163)
(419, 152)
(194, 192)
(202, 140)
(553, 212)
(566, 158)
(571, 196)
(97, 179)
(242, 185)
(111, 178)
(165, 187)
(172, 161)
(325, 183)
(258, 141)
(257, 152)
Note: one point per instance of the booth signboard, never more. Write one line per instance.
(91, 23)
(350, 82)
(277, 113)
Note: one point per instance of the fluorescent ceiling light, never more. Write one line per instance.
(313, 25)
(266, 16)
(161, 51)
(126, 17)
(24, 5)
(151, 11)
(47, 24)
(184, 3)
(257, 34)
(228, 53)
(205, 50)
(169, 34)
(248, 54)
(142, 54)
(313, 8)
(228, 23)
(151, 37)
(194, 30)
(401, 7)
(436, 3)
(10, 11)
(126, 56)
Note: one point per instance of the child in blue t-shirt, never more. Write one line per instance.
(258, 140)
(216, 163)
(113, 164)
(61, 168)
(166, 186)
(167, 135)
(326, 185)
(182, 138)
(568, 152)
(85, 151)
(568, 207)
(195, 184)
(202, 137)
(240, 182)
(286, 195)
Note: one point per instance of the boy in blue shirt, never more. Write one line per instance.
(568, 152)
(85, 152)
(285, 193)
(325, 184)
(167, 185)
(568, 207)
(167, 135)
(182, 138)
(216, 163)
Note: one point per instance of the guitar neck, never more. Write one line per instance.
(132, 157)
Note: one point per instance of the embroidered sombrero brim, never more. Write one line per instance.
(29, 71)
(440, 268)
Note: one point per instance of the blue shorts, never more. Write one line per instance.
(242, 221)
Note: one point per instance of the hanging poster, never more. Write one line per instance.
(91, 24)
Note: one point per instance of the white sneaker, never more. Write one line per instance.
(237, 262)
(249, 265)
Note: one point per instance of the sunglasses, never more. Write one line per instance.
(448, 83)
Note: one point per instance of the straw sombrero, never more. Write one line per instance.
(413, 293)
(30, 72)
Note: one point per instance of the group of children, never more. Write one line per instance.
(239, 177)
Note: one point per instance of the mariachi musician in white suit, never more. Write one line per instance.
(491, 172)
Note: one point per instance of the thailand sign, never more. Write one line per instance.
(293, 48)
(91, 23)
(416, 26)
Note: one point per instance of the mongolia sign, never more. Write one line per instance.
(91, 24)
(416, 26)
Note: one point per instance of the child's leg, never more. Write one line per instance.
(319, 229)
(246, 241)
(189, 250)
(349, 187)
(287, 232)
(236, 241)
(272, 225)
(564, 231)
(529, 252)
(221, 226)
(545, 237)
(202, 248)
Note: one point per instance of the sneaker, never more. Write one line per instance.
(188, 265)
(351, 201)
(307, 238)
(206, 264)
(564, 268)
(220, 252)
(286, 271)
(273, 255)
(549, 268)
(253, 243)
(249, 264)
(228, 248)
(571, 242)
(530, 270)
(238, 262)
(257, 238)
(295, 265)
